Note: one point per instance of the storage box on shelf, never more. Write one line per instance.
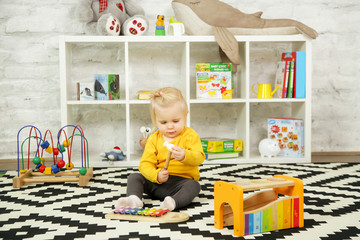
(152, 62)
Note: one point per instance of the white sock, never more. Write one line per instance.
(132, 201)
(168, 203)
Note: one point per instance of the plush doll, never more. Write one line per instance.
(213, 17)
(115, 155)
(112, 17)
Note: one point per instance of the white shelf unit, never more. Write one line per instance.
(152, 62)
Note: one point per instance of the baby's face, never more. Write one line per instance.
(170, 120)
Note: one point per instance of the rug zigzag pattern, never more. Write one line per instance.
(66, 211)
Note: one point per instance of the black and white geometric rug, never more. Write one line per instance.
(66, 211)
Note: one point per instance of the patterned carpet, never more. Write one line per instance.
(66, 211)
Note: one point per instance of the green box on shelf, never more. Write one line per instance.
(212, 145)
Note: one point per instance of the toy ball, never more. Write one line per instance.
(56, 151)
(61, 148)
(82, 171)
(36, 160)
(66, 143)
(61, 163)
(269, 148)
(69, 166)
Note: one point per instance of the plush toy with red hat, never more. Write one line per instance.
(115, 155)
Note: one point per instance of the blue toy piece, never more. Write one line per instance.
(115, 155)
(54, 168)
(45, 145)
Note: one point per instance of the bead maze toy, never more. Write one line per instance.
(263, 211)
(147, 215)
(55, 173)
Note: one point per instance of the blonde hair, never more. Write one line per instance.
(166, 97)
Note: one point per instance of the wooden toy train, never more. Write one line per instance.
(263, 211)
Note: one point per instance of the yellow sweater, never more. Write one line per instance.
(154, 156)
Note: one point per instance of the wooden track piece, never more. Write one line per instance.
(68, 176)
(170, 217)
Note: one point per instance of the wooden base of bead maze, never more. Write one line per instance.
(37, 177)
(170, 217)
(263, 211)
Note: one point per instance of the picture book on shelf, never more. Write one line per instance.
(291, 80)
(85, 91)
(279, 78)
(300, 75)
(114, 88)
(106, 86)
(214, 80)
(289, 132)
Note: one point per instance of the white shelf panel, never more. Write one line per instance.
(170, 60)
(234, 100)
(96, 102)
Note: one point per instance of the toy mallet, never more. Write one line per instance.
(170, 147)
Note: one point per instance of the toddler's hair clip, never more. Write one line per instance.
(160, 93)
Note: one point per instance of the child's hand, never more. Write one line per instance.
(163, 176)
(178, 153)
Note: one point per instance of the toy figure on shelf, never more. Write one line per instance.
(115, 155)
(160, 26)
(146, 133)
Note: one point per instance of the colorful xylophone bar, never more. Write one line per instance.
(152, 212)
(282, 215)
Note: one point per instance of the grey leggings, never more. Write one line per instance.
(182, 190)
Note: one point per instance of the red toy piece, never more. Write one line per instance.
(56, 151)
(61, 163)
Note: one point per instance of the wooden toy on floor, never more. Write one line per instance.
(147, 215)
(55, 173)
(263, 211)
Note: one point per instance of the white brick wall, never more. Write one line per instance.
(29, 63)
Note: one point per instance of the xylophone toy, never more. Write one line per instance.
(263, 211)
(56, 172)
(147, 215)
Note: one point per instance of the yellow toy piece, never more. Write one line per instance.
(69, 166)
(47, 170)
(49, 150)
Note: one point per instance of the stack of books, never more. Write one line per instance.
(218, 148)
(291, 75)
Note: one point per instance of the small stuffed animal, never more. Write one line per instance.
(112, 17)
(115, 155)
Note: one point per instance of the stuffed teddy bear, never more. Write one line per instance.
(115, 155)
(112, 17)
